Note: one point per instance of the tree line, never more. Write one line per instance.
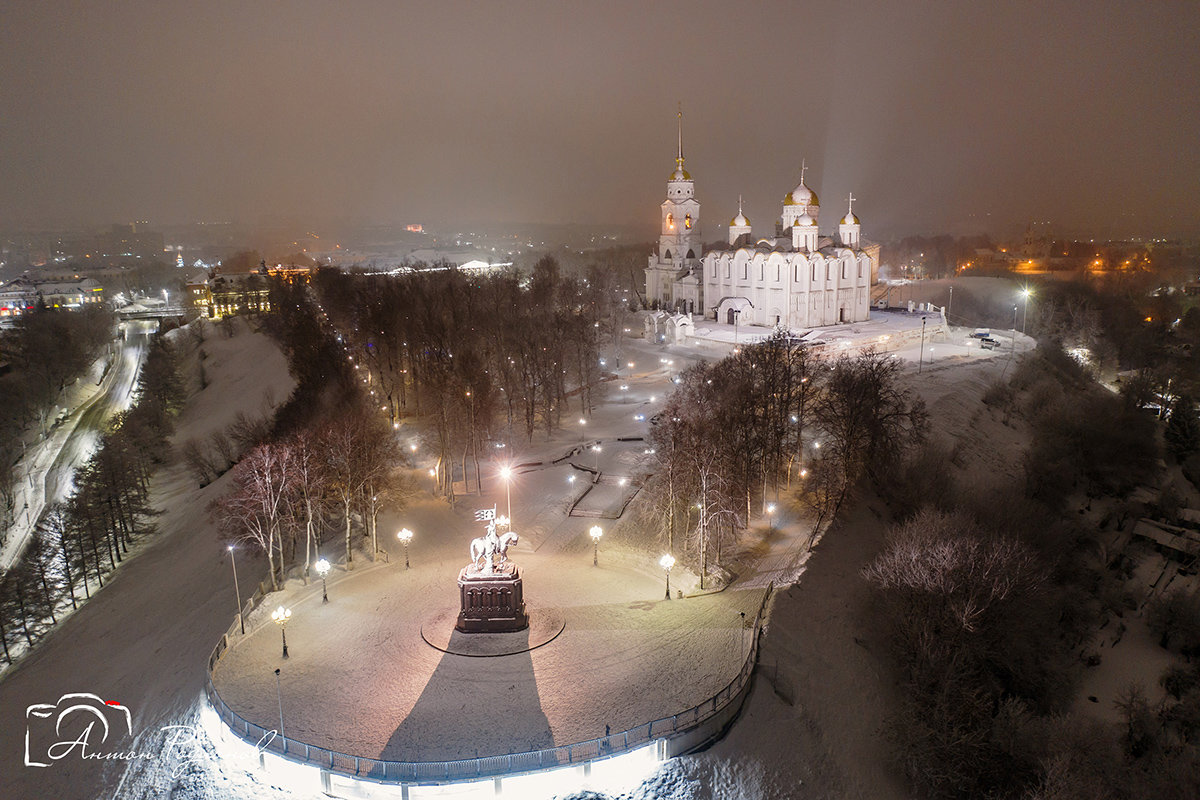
(773, 415)
(323, 470)
(44, 352)
(487, 360)
(77, 543)
(991, 596)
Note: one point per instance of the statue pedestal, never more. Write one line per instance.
(491, 603)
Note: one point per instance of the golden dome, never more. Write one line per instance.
(850, 219)
(739, 221)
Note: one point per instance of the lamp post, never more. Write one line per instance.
(506, 474)
(596, 532)
(279, 697)
(596, 448)
(950, 304)
(1025, 314)
(323, 570)
(237, 590)
(770, 517)
(1013, 349)
(921, 354)
(281, 616)
(666, 562)
(405, 535)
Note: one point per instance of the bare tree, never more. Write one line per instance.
(254, 509)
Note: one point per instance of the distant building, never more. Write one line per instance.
(22, 294)
(796, 277)
(220, 293)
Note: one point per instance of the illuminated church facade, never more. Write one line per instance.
(796, 277)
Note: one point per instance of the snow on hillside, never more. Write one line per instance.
(144, 639)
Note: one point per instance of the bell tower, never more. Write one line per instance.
(679, 242)
(679, 237)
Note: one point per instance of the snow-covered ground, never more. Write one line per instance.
(810, 729)
(144, 639)
(48, 464)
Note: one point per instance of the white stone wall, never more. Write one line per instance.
(803, 291)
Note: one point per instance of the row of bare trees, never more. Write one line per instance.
(484, 358)
(290, 495)
(77, 543)
(773, 415)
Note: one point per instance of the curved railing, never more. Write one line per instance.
(704, 722)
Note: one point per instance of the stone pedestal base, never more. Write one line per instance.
(491, 603)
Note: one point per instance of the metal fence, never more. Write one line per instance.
(710, 712)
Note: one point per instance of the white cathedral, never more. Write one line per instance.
(796, 278)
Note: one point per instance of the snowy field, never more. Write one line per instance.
(811, 725)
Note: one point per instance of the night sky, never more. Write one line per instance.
(953, 117)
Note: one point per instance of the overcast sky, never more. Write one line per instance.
(936, 115)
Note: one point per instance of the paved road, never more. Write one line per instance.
(51, 464)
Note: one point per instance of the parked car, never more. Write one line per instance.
(988, 343)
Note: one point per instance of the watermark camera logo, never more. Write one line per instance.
(81, 720)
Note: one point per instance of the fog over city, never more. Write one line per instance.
(958, 117)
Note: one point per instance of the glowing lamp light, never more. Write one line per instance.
(322, 567)
(281, 616)
(666, 562)
(405, 535)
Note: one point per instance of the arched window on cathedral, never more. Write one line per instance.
(746, 270)
(828, 271)
(687, 223)
(814, 272)
(777, 272)
(860, 268)
(843, 270)
(727, 268)
(668, 256)
(671, 222)
(691, 253)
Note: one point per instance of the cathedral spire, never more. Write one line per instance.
(803, 169)
(679, 158)
(851, 199)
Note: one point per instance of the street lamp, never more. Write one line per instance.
(323, 570)
(596, 532)
(1025, 314)
(506, 474)
(279, 697)
(1013, 349)
(281, 616)
(666, 562)
(237, 590)
(405, 535)
(921, 355)
(770, 517)
(597, 449)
